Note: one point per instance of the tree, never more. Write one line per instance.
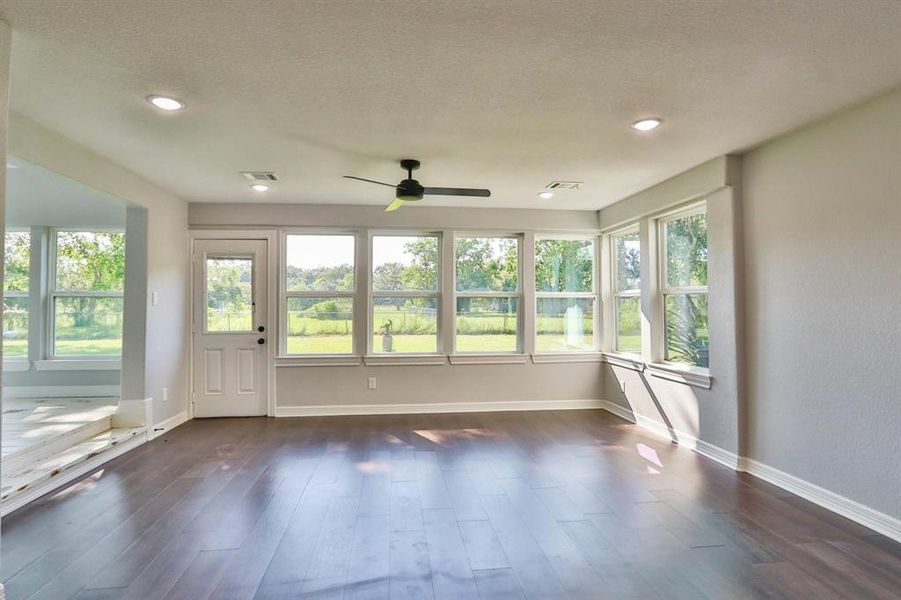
(89, 261)
(564, 265)
(17, 256)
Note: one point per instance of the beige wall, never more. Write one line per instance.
(167, 257)
(822, 214)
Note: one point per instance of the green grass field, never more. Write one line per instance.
(19, 348)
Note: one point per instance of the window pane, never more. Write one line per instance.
(320, 325)
(565, 324)
(487, 324)
(404, 263)
(687, 339)
(404, 324)
(18, 257)
(487, 264)
(628, 261)
(686, 251)
(320, 263)
(564, 265)
(15, 327)
(87, 326)
(628, 324)
(229, 294)
(90, 261)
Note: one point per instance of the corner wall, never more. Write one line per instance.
(822, 215)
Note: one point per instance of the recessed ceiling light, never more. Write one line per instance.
(546, 195)
(646, 124)
(166, 103)
(259, 187)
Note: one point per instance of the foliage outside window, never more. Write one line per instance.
(15, 294)
(320, 288)
(626, 254)
(487, 294)
(566, 295)
(684, 288)
(86, 293)
(405, 293)
(229, 294)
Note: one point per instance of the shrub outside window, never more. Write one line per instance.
(16, 280)
(566, 295)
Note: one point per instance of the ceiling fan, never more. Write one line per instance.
(410, 190)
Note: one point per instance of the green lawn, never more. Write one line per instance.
(109, 347)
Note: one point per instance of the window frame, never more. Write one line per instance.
(53, 294)
(21, 294)
(285, 295)
(517, 294)
(616, 293)
(593, 294)
(664, 289)
(436, 294)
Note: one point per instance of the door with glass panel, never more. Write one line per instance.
(230, 328)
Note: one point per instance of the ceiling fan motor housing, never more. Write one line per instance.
(409, 190)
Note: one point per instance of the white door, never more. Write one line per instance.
(230, 328)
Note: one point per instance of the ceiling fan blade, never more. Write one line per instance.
(395, 204)
(444, 191)
(369, 180)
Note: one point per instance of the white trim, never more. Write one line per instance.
(488, 359)
(16, 364)
(624, 360)
(319, 360)
(79, 364)
(441, 407)
(163, 427)
(693, 376)
(61, 391)
(19, 500)
(567, 357)
(404, 360)
(681, 438)
(877, 521)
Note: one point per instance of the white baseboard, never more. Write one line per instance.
(442, 407)
(850, 509)
(20, 500)
(61, 391)
(724, 457)
(166, 426)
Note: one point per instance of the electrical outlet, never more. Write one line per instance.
(165, 394)
(154, 298)
(372, 383)
(622, 385)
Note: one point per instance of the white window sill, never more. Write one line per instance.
(79, 364)
(624, 360)
(10, 366)
(566, 357)
(404, 360)
(324, 360)
(488, 359)
(693, 376)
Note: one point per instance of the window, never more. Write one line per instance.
(15, 294)
(86, 293)
(684, 287)
(487, 294)
(319, 290)
(626, 255)
(405, 293)
(566, 295)
(229, 295)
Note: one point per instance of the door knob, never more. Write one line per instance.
(261, 341)
(261, 329)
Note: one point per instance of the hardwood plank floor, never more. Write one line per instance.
(571, 504)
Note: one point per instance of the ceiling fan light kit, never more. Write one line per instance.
(410, 190)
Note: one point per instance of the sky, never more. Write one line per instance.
(311, 251)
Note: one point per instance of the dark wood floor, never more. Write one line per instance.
(517, 505)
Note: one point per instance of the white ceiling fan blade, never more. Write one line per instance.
(395, 204)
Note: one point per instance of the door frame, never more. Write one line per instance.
(270, 236)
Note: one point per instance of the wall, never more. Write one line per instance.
(822, 214)
(711, 415)
(305, 386)
(167, 259)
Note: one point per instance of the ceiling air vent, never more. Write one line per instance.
(259, 176)
(564, 185)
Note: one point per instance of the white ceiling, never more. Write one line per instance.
(501, 94)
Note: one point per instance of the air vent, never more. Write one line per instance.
(258, 176)
(564, 185)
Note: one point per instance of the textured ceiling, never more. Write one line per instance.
(501, 94)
